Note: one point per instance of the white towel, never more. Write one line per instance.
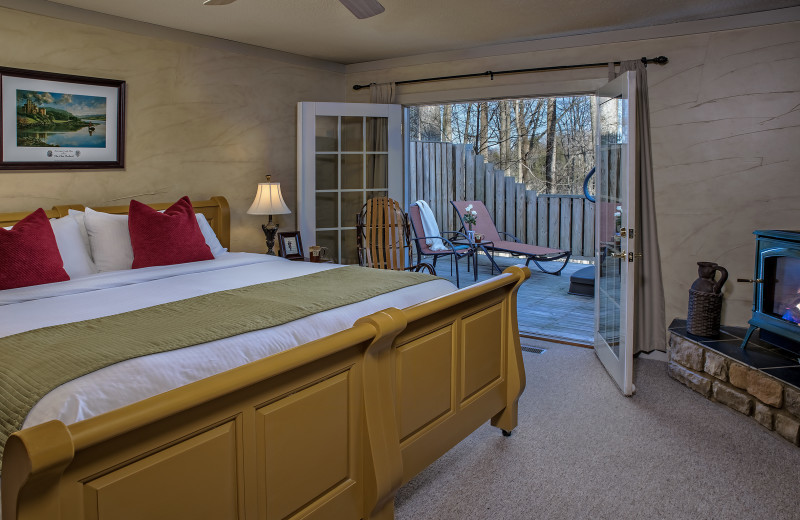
(430, 227)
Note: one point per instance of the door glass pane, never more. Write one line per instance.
(330, 241)
(334, 161)
(352, 171)
(613, 140)
(327, 172)
(327, 210)
(377, 134)
(349, 247)
(327, 135)
(352, 134)
(377, 170)
(351, 206)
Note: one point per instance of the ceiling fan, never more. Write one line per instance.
(360, 8)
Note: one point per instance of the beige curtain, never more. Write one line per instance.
(650, 325)
(378, 135)
(381, 92)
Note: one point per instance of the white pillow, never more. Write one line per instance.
(211, 238)
(109, 239)
(74, 253)
(79, 217)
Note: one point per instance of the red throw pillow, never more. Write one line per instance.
(29, 253)
(172, 237)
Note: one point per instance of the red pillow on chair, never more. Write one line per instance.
(29, 253)
(172, 237)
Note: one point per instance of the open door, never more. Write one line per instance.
(615, 228)
(346, 153)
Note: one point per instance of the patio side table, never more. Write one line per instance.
(479, 246)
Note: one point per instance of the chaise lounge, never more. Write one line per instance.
(492, 241)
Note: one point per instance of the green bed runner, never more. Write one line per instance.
(35, 362)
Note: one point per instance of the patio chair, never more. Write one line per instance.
(383, 237)
(492, 240)
(454, 251)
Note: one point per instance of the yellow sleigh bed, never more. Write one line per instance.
(328, 430)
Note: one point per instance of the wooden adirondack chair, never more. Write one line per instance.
(384, 237)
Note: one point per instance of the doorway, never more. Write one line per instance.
(526, 159)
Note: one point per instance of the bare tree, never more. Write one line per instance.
(430, 122)
(521, 131)
(505, 135)
(550, 163)
(545, 142)
(483, 132)
(447, 123)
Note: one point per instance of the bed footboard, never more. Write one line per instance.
(327, 430)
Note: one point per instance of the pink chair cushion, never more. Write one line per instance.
(484, 224)
(416, 226)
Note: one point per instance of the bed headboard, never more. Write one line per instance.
(215, 209)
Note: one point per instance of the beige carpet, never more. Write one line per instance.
(582, 450)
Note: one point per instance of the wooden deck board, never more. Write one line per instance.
(544, 307)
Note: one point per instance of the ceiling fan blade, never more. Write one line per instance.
(218, 2)
(363, 8)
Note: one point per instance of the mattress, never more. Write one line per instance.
(115, 292)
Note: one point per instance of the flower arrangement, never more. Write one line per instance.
(471, 216)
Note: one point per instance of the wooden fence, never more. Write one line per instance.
(441, 172)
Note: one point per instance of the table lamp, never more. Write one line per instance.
(269, 201)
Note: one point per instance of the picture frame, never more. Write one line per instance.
(60, 121)
(291, 247)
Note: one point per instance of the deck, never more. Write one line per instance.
(545, 310)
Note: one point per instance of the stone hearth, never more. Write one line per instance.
(762, 382)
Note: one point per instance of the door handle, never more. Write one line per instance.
(621, 254)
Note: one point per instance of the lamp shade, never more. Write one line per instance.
(269, 200)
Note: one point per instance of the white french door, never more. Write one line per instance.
(346, 153)
(615, 228)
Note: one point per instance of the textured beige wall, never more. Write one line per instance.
(726, 142)
(200, 121)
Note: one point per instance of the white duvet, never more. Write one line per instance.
(120, 291)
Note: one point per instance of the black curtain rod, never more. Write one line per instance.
(661, 60)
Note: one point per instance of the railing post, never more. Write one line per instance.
(500, 200)
(438, 210)
(489, 189)
(469, 172)
(519, 202)
(541, 210)
(564, 240)
(450, 220)
(412, 172)
(553, 222)
(480, 179)
(510, 207)
(530, 217)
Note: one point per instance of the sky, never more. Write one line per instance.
(74, 104)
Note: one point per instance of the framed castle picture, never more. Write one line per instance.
(50, 121)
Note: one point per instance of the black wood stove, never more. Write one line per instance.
(776, 289)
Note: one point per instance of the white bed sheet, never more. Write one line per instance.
(120, 291)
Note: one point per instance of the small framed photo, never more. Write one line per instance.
(50, 121)
(291, 246)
